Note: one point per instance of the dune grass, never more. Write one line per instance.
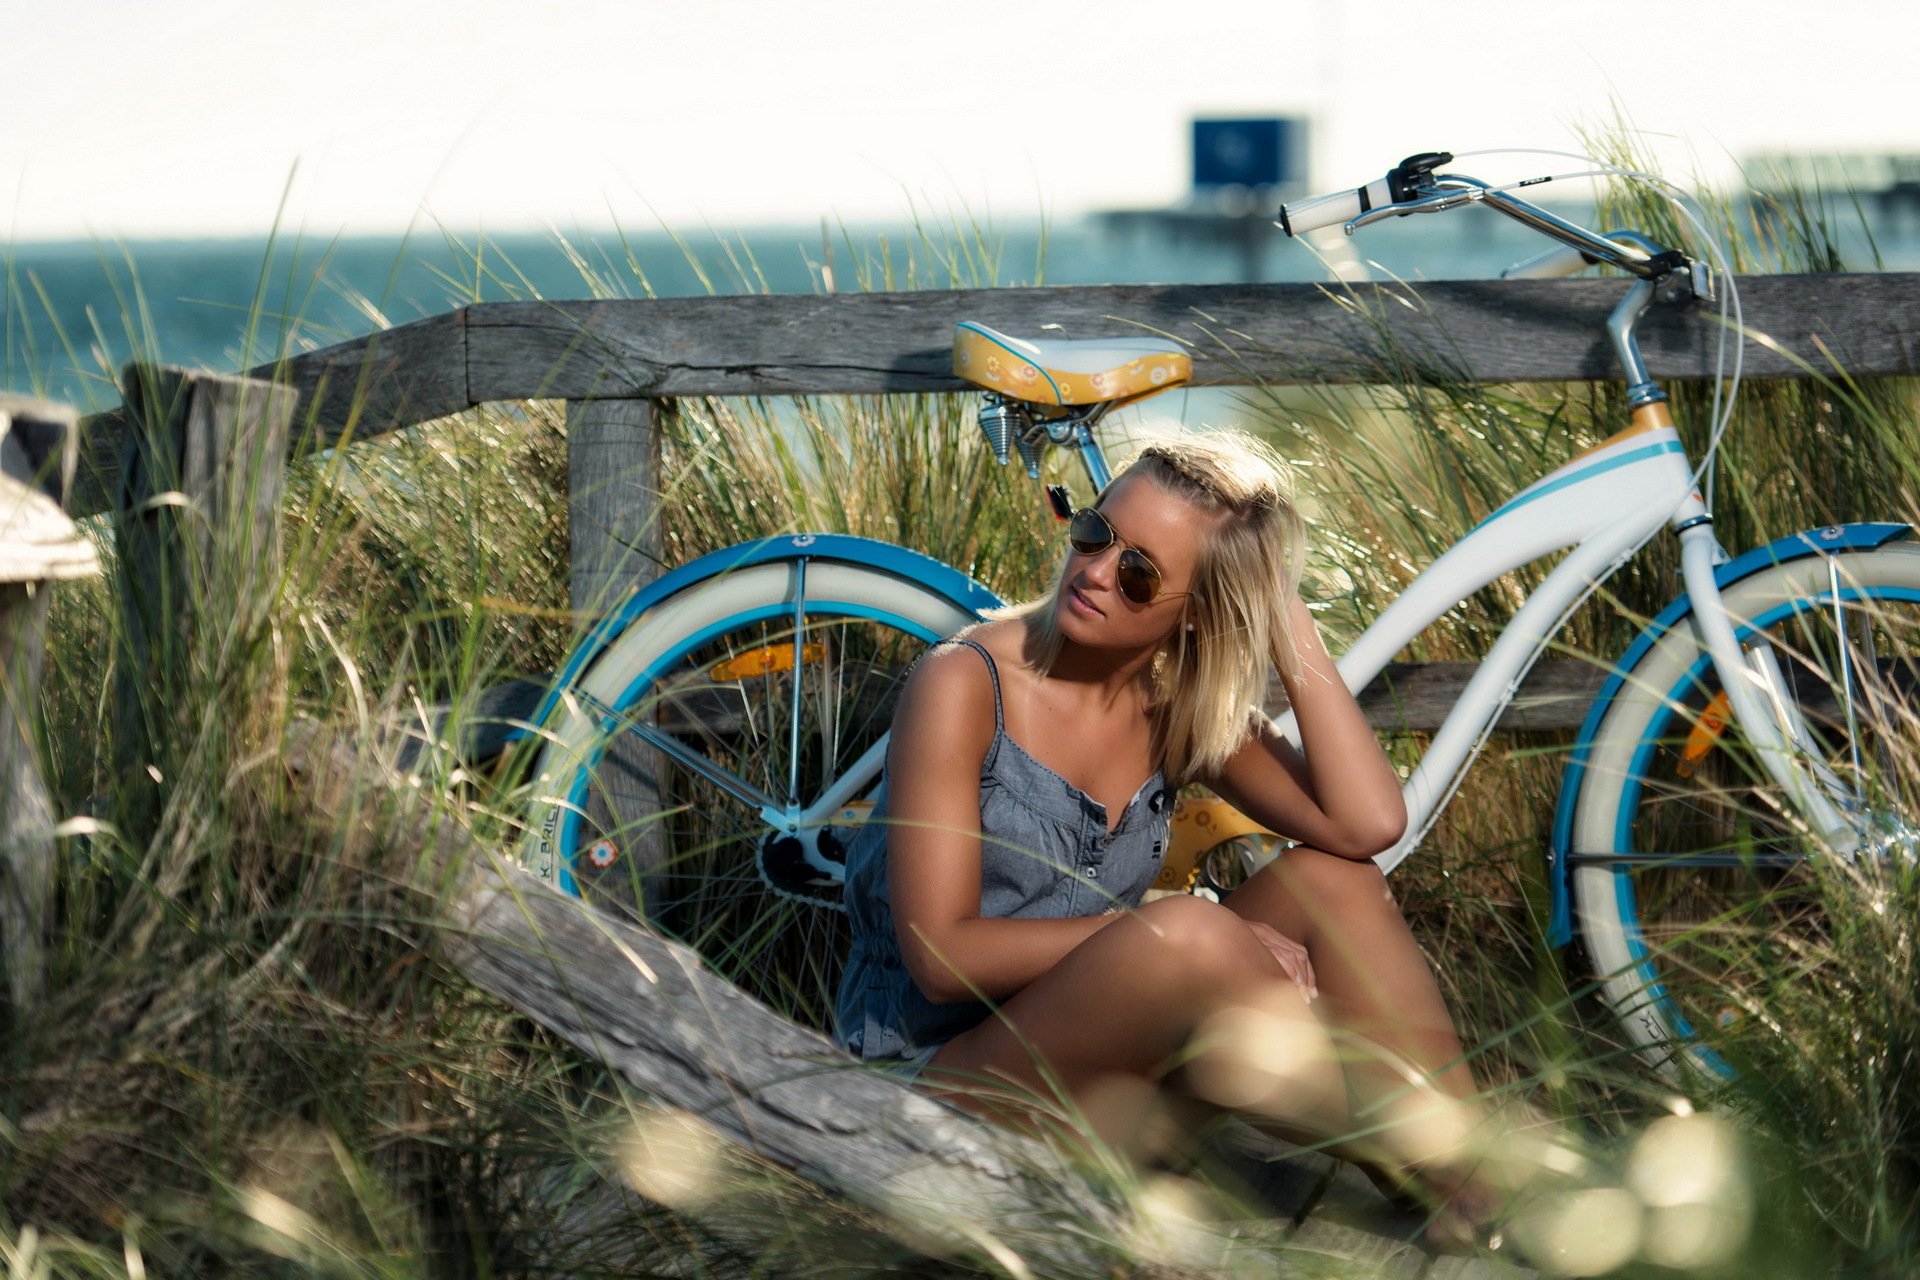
(246, 1066)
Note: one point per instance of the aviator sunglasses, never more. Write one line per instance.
(1135, 575)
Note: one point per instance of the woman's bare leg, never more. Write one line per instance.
(1376, 990)
(1123, 1008)
(1372, 977)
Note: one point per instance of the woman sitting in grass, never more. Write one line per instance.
(1002, 953)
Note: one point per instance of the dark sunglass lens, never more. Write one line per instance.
(1089, 532)
(1136, 577)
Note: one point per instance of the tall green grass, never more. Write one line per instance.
(245, 1064)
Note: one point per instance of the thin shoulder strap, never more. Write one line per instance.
(999, 716)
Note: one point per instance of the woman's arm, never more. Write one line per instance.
(1341, 795)
(941, 733)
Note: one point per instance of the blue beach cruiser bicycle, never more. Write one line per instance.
(713, 742)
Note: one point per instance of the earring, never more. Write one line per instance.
(1189, 626)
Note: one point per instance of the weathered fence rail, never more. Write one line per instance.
(1485, 331)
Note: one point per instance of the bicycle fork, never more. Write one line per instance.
(1760, 697)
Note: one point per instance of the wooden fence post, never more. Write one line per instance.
(613, 494)
(204, 470)
(613, 528)
(38, 545)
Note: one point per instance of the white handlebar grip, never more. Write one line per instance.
(1550, 265)
(1342, 206)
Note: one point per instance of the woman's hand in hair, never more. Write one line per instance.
(1336, 792)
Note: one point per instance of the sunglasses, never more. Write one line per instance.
(1135, 575)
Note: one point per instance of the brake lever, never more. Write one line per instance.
(1700, 281)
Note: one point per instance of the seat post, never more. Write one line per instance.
(1092, 456)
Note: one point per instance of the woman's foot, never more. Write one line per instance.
(1470, 1219)
(1464, 1211)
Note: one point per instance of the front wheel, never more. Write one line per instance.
(1692, 881)
(708, 767)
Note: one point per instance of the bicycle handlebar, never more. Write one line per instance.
(1401, 185)
(1413, 186)
(1315, 212)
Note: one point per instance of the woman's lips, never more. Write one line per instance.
(1083, 604)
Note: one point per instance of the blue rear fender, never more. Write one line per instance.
(841, 548)
(1813, 542)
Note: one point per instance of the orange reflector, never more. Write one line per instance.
(1705, 732)
(764, 661)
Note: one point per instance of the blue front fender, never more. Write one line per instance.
(1833, 538)
(844, 548)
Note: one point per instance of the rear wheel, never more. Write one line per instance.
(684, 772)
(1694, 886)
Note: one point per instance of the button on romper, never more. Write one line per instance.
(1045, 853)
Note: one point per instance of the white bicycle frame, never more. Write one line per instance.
(1604, 504)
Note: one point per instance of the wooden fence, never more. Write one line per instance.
(619, 365)
(39, 546)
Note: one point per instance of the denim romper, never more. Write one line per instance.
(1045, 853)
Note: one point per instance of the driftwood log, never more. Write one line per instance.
(689, 1042)
(39, 545)
(693, 1046)
(685, 1038)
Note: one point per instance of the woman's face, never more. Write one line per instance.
(1168, 530)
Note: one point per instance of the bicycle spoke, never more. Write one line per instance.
(1846, 672)
(799, 689)
(690, 758)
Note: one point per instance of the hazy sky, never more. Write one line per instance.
(188, 117)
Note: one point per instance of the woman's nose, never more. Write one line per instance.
(1100, 565)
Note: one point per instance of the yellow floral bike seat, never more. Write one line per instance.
(1060, 371)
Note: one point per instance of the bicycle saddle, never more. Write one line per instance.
(1060, 371)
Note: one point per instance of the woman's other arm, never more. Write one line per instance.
(1338, 793)
(941, 733)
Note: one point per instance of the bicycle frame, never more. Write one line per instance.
(1770, 726)
(1606, 504)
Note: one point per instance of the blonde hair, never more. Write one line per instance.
(1209, 683)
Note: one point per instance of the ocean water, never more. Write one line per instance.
(76, 312)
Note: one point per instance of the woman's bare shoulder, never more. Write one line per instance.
(952, 683)
(1004, 638)
(948, 701)
(953, 676)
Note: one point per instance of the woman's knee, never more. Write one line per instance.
(1201, 939)
(1343, 883)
